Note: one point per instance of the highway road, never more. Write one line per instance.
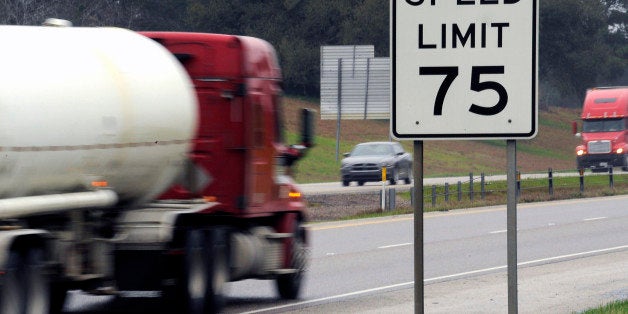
(373, 258)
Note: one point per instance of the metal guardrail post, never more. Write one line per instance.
(446, 192)
(550, 177)
(471, 186)
(483, 186)
(581, 170)
(459, 191)
(518, 184)
(611, 181)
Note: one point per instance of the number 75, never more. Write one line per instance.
(451, 73)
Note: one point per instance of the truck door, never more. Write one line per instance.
(261, 151)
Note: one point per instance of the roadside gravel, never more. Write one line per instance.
(326, 207)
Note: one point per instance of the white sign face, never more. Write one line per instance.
(464, 69)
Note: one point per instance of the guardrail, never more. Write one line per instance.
(530, 187)
(482, 190)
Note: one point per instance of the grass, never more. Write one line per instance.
(617, 307)
(552, 148)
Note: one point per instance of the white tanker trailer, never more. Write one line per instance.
(91, 106)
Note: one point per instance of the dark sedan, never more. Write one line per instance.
(365, 162)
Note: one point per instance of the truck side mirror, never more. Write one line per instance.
(307, 128)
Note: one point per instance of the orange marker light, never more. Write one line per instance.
(294, 194)
(100, 184)
(210, 199)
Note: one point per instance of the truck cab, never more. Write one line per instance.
(604, 132)
(239, 157)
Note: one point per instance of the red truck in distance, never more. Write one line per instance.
(604, 132)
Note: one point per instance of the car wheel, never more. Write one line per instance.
(345, 183)
(394, 178)
(408, 179)
(360, 183)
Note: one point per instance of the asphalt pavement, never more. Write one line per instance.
(573, 285)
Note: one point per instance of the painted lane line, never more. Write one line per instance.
(594, 218)
(501, 231)
(429, 280)
(394, 245)
(498, 231)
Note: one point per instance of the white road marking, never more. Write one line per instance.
(411, 283)
(498, 231)
(594, 218)
(394, 245)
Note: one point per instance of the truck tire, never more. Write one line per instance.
(25, 287)
(625, 166)
(206, 271)
(289, 285)
(58, 294)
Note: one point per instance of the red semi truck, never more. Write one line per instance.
(604, 130)
(135, 162)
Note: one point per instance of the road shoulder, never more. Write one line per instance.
(561, 287)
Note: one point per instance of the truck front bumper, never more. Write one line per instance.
(601, 161)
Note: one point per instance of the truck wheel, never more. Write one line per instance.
(206, 271)
(58, 294)
(625, 167)
(24, 286)
(289, 285)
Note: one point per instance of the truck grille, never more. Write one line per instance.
(599, 147)
(365, 167)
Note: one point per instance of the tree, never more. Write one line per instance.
(577, 49)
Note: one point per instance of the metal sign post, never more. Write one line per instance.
(464, 70)
(511, 228)
(417, 206)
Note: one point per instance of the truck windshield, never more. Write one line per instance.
(603, 125)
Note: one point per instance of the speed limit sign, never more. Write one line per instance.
(464, 69)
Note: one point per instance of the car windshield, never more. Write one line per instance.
(372, 150)
(605, 125)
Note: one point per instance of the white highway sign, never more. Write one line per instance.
(464, 69)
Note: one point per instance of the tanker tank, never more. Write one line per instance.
(91, 106)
